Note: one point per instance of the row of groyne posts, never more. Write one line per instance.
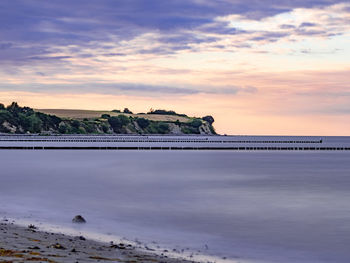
(174, 148)
(311, 144)
(177, 148)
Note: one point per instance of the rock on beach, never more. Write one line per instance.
(78, 219)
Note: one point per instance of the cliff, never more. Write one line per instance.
(19, 120)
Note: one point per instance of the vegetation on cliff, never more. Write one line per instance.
(19, 120)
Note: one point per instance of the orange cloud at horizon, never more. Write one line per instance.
(234, 114)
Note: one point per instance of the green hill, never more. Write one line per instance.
(25, 120)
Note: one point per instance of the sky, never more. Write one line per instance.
(257, 66)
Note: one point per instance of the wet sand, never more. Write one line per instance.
(29, 244)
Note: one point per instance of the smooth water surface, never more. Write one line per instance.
(259, 207)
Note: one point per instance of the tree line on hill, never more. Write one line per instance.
(20, 120)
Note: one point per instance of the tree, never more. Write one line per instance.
(163, 127)
(76, 124)
(142, 122)
(35, 124)
(126, 110)
(13, 107)
(5, 116)
(89, 127)
(123, 119)
(24, 121)
(117, 122)
(105, 116)
(62, 128)
(105, 128)
(196, 123)
(165, 112)
(208, 119)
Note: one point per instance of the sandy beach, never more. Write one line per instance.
(28, 244)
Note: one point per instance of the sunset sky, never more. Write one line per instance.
(258, 66)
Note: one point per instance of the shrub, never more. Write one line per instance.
(117, 122)
(142, 122)
(105, 128)
(196, 123)
(76, 124)
(163, 127)
(35, 124)
(105, 116)
(208, 119)
(212, 129)
(126, 110)
(124, 119)
(190, 130)
(89, 127)
(13, 107)
(5, 116)
(62, 128)
(166, 112)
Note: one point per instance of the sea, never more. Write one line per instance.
(211, 206)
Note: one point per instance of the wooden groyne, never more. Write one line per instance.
(175, 148)
(177, 143)
(163, 141)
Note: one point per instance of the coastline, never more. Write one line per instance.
(29, 244)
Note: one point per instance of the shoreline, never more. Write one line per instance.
(26, 244)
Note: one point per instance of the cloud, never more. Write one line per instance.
(308, 24)
(269, 36)
(58, 21)
(319, 52)
(155, 41)
(293, 25)
(286, 26)
(179, 25)
(5, 46)
(49, 57)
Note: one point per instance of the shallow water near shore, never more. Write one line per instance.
(251, 206)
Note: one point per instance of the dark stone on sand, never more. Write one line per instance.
(150, 249)
(34, 247)
(120, 246)
(78, 219)
(57, 246)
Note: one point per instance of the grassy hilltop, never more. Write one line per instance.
(20, 120)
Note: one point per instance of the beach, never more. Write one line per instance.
(26, 244)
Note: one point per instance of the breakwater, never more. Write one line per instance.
(157, 142)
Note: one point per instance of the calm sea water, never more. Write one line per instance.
(246, 206)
